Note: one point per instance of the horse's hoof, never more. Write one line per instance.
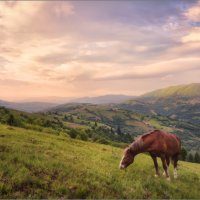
(156, 175)
(175, 176)
(164, 174)
(168, 179)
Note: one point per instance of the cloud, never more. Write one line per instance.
(193, 13)
(69, 48)
(193, 17)
(26, 19)
(152, 71)
(193, 36)
(54, 58)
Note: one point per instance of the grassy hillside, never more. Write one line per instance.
(190, 90)
(39, 165)
(185, 109)
(105, 124)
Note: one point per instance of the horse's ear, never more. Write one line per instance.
(127, 146)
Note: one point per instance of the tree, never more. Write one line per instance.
(47, 123)
(190, 158)
(183, 154)
(119, 132)
(71, 118)
(11, 120)
(128, 138)
(83, 136)
(65, 118)
(73, 133)
(196, 158)
(142, 118)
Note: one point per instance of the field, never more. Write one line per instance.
(38, 165)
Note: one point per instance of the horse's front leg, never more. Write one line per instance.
(175, 161)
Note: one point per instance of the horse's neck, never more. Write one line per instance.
(137, 147)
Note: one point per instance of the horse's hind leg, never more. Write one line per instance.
(164, 163)
(175, 162)
(155, 165)
(167, 160)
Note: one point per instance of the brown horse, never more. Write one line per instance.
(158, 144)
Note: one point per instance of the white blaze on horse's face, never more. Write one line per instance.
(126, 160)
(121, 166)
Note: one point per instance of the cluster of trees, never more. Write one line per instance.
(185, 156)
(78, 134)
(99, 132)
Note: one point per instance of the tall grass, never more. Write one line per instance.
(39, 165)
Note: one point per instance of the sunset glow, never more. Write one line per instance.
(90, 48)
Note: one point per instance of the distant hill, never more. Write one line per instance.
(42, 106)
(103, 99)
(179, 102)
(191, 90)
(28, 106)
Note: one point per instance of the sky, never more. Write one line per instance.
(91, 48)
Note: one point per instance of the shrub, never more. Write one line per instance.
(196, 158)
(13, 121)
(73, 133)
(83, 136)
(190, 158)
(183, 154)
(103, 141)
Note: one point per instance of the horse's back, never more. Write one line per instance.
(162, 142)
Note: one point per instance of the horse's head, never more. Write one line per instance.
(127, 158)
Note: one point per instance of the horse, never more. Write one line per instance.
(158, 144)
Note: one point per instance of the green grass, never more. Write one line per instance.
(39, 165)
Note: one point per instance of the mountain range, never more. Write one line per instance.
(42, 106)
(27, 106)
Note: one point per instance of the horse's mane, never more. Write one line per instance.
(148, 134)
(138, 143)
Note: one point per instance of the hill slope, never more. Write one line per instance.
(39, 165)
(177, 102)
(191, 90)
